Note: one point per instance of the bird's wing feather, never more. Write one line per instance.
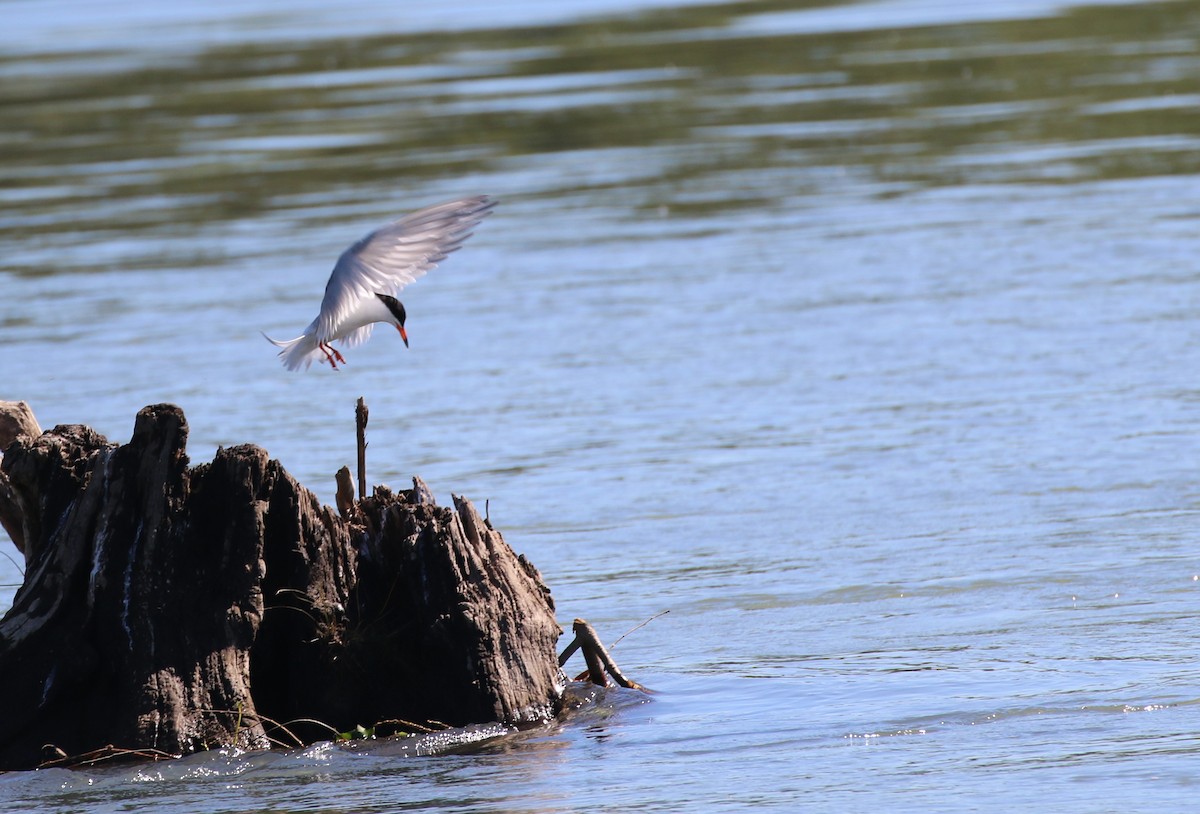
(393, 256)
(358, 336)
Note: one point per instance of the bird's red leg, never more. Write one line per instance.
(325, 349)
(338, 355)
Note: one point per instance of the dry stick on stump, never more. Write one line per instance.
(360, 421)
(596, 656)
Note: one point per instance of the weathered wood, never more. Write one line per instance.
(597, 657)
(173, 608)
(136, 617)
(361, 414)
(344, 497)
(16, 420)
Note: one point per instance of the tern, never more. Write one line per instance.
(367, 277)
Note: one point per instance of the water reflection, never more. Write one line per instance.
(676, 108)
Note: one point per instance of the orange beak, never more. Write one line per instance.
(403, 334)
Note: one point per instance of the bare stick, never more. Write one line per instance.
(570, 651)
(360, 422)
(595, 670)
(595, 655)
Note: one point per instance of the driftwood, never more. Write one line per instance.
(169, 608)
(596, 656)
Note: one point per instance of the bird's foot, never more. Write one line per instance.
(331, 352)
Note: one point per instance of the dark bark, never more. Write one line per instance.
(176, 608)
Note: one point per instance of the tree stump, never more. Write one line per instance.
(177, 609)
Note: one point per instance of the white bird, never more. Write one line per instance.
(363, 286)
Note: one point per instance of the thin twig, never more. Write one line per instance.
(307, 721)
(265, 721)
(412, 726)
(104, 753)
(636, 627)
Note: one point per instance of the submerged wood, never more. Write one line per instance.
(176, 608)
(596, 656)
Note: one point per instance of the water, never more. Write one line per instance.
(860, 337)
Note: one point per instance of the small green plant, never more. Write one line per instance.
(358, 733)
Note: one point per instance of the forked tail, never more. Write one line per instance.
(297, 353)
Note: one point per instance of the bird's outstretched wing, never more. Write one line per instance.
(393, 256)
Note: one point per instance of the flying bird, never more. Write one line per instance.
(363, 286)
